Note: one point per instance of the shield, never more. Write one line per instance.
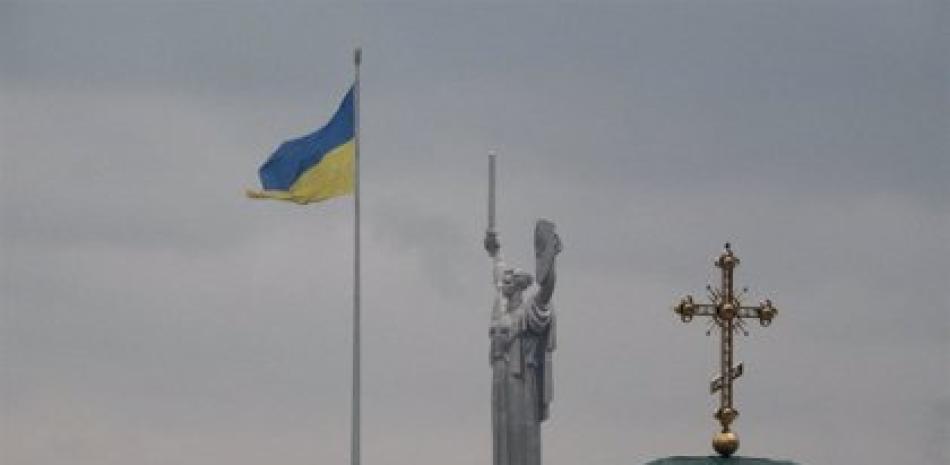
(547, 245)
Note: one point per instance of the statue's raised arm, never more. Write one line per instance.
(492, 246)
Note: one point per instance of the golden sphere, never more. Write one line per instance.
(725, 443)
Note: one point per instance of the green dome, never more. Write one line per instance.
(715, 460)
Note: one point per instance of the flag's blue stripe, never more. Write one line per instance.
(295, 156)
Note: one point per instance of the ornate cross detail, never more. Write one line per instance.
(727, 312)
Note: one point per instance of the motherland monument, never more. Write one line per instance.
(522, 340)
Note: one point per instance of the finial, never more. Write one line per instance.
(726, 313)
(358, 55)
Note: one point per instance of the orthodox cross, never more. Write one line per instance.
(727, 312)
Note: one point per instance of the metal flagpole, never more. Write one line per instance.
(355, 414)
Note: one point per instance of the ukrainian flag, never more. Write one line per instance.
(314, 167)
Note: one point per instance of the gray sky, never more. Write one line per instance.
(153, 315)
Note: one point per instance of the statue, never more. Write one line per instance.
(522, 334)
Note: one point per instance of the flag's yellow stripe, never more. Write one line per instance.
(332, 177)
(276, 195)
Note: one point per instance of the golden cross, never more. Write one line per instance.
(727, 312)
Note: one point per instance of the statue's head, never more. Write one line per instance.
(514, 281)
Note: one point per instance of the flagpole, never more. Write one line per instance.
(355, 414)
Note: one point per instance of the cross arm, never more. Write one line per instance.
(687, 309)
(764, 312)
(718, 383)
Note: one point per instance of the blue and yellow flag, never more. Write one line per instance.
(315, 167)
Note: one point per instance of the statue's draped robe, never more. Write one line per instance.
(522, 340)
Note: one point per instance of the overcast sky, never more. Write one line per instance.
(153, 315)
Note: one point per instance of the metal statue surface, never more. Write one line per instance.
(726, 312)
(522, 335)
